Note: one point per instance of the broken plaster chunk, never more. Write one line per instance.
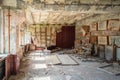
(46, 73)
(68, 77)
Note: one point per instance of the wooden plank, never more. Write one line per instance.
(52, 59)
(66, 60)
(111, 69)
(107, 65)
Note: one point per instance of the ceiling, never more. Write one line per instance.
(61, 11)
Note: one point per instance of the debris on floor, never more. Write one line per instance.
(35, 67)
(66, 60)
(52, 59)
(113, 68)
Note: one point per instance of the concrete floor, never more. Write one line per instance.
(34, 67)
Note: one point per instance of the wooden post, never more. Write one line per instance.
(9, 30)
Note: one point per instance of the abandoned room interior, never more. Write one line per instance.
(59, 39)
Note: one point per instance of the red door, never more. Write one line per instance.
(66, 38)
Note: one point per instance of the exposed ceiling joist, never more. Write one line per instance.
(39, 17)
(63, 11)
(48, 18)
(33, 18)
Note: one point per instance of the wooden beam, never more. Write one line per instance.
(32, 18)
(55, 19)
(59, 17)
(39, 17)
(48, 18)
(63, 19)
(24, 12)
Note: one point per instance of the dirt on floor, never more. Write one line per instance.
(34, 67)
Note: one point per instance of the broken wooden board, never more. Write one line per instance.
(115, 70)
(66, 60)
(107, 65)
(52, 59)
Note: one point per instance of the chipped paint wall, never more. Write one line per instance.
(15, 25)
(97, 18)
(43, 35)
(93, 19)
(1, 32)
(12, 3)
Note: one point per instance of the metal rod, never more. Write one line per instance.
(9, 30)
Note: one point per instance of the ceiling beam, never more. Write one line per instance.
(48, 18)
(78, 2)
(55, 18)
(39, 17)
(32, 18)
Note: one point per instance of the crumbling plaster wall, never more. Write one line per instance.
(1, 31)
(16, 19)
(97, 18)
(92, 19)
